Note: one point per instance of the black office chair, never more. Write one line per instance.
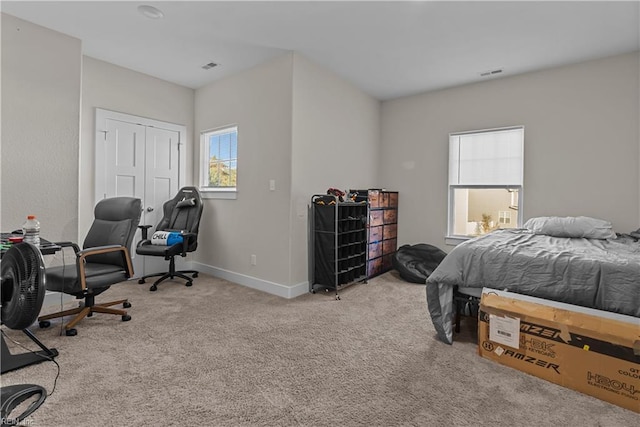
(181, 215)
(104, 261)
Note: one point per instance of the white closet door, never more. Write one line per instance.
(140, 158)
(161, 171)
(124, 159)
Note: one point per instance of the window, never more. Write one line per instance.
(485, 181)
(219, 165)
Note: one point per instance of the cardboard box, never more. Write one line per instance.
(591, 351)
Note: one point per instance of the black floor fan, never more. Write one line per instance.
(22, 293)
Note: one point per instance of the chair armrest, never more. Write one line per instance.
(186, 241)
(96, 250)
(83, 254)
(75, 247)
(145, 231)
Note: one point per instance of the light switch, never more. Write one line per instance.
(272, 184)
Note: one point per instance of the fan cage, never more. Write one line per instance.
(23, 285)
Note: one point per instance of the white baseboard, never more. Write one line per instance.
(253, 282)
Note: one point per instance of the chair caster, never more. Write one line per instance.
(44, 324)
(189, 283)
(153, 288)
(126, 304)
(141, 281)
(194, 275)
(126, 318)
(90, 314)
(71, 332)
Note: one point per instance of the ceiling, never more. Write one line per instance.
(388, 49)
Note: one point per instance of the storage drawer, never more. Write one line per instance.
(384, 200)
(374, 198)
(389, 246)
(390, 216)
(387, 262)
(393, 200)
(390, 231)
(375, 234)
(375, 267)
(376, 218)
(389, 200)
(375, 250)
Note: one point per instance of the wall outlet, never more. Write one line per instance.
(253, 260)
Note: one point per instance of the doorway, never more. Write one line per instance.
(143, 158)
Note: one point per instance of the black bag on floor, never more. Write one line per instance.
(416, 263)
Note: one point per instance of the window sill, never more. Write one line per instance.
(455, 240)
(208, 193)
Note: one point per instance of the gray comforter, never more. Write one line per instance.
(601, 274)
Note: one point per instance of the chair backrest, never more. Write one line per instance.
(115, 222)
(182, 213)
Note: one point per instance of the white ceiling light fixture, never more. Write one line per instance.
(150, 12)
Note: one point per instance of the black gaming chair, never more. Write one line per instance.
(104, 261)
(180, 215)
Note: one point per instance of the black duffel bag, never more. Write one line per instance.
(415, 263)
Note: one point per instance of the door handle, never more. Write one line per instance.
(149, 209)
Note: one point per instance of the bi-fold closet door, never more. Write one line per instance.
(141, 158)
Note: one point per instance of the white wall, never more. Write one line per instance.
(308, 130)
(257, 222)
(301, 126)
(336, 143)
(581, 143)
(40, 128)
(111, 87)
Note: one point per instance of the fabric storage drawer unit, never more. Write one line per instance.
(382, 229)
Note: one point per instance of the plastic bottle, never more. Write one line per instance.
(31, 230)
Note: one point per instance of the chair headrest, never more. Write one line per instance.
(186, 203)
(118, 208)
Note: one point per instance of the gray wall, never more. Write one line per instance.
(40, 128)
(257, 222)
(336, 143)
(582, 146)
(114, 88)
(307, 129)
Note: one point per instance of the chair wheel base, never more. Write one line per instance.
(194, 275)
(126, 318)
(141, 281)
(153, 288)
(44, 324)
(126, 304)
(189, 283)
(71, 332)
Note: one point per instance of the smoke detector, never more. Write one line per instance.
(150, 11)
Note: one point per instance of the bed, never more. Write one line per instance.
(599, 270)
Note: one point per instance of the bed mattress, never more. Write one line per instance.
(601, 274)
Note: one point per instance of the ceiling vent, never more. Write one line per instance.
(209, 66)
(491, 73)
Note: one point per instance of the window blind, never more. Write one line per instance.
(492, 157)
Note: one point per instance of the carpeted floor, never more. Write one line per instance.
(219, 354)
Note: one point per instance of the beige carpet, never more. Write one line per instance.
(219, 354)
